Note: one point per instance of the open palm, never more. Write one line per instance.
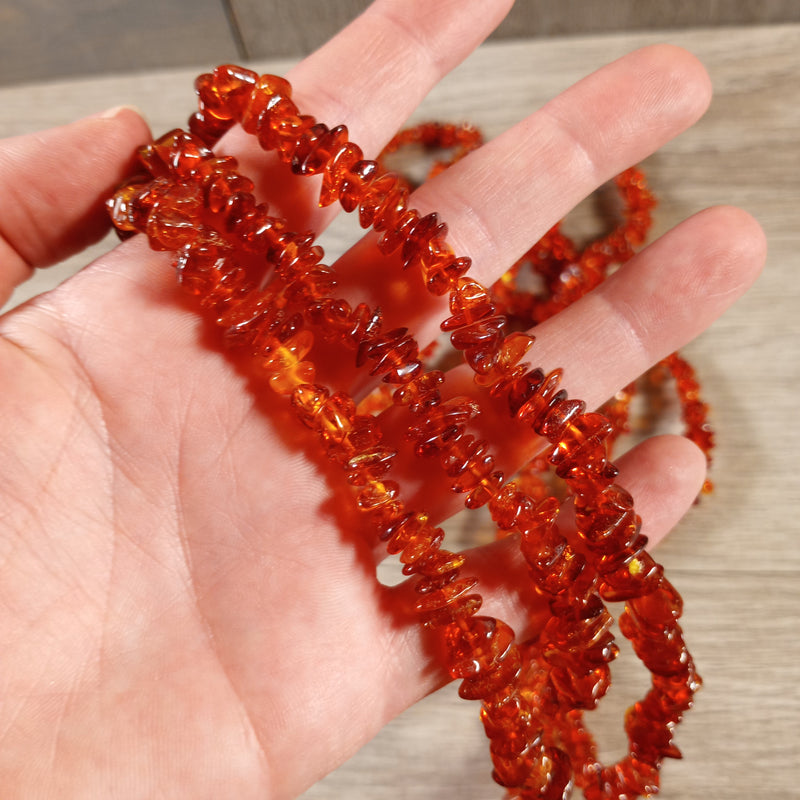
(188, 606)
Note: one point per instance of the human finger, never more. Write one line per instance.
(503, 197)
(52, 188)
(369, 77)
(653, 305)
(656, 303)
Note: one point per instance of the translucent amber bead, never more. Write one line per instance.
(177, 151)
(270, 92)
(511, 352)
(354, 185)
(521, 389)
(339, 171)
(335, 417)
(469, 302)
(481, 342)
(510, 724)
(316, 149)
(582, 444)
(658, 609)
(664, 654)
(283, 131)
(377, 493)
(365, 434)
(676, 692)
(440, 424)
(421, 392)
(387, 514)
(201, 265)
(308, 401)
(285, 363)
(555, 567)
(485, 490)
(650, 743)
(208, 128)
(448, 604)
(266, 116)
(169, 228)
(230, 287)
(383, 199)
(496, 681)
(512, 771)
(559, 415)
(475, 648)
(630, 572)
(393, 355)
(252, 321)
(226, 91)
(420, 237)
(614, 505)
(219, 187)
(534, 395)
(441, 269)
(438, 562)
(404, 530)
(403, 219)
(508, 504)
(119, 206)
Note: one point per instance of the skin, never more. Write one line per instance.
(188, 606)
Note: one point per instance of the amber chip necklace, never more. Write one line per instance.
(533, 694)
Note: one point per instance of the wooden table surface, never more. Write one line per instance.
(736, 557)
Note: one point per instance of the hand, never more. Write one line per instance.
(188, 606)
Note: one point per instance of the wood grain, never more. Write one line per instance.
(736, 556)
(277, 28)
(50, 39)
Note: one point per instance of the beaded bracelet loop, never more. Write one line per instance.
(268, 291)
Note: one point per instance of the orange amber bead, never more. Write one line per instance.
(449, 604)
(440, 424)
(481, 342)
(335, 416)
(226, 91)
(285, 366)
(421, 392)
(377, 493)
(314, 152)
(475, 647)
(383, 200)
(436, 563)
(339, 176)
(198, 206)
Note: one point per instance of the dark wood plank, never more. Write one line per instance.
(569, 17)
(276, 28)
(49, 39)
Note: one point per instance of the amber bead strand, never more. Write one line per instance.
(473, 343)
(439, 606)
(309, 127)
(425, 235)
(432, 222)
(352, 440)
(569, 273)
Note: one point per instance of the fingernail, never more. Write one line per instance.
(110, 113)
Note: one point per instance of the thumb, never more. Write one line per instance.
(52, 187)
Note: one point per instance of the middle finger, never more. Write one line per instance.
(503, 197)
